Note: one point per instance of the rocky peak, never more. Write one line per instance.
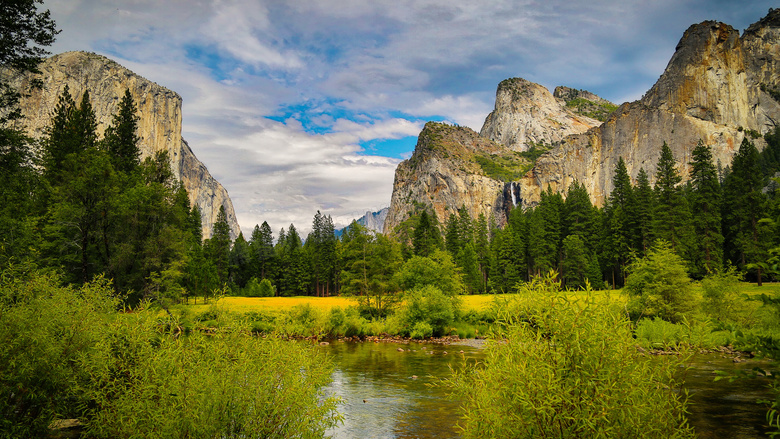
(159, 125)
(452, 167)
(717, 88)
(527, 114)
(706, 78)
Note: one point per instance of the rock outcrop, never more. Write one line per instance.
(718, 88)
(527, 114)
(453, 167)
(159, 126)
(374, 221)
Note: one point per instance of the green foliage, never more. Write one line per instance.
(438, 270)
(569, 370)
(428, 305)
(370, 262)
(263, 288)
(421, 330)
(658, 285)
(534, 151)
(45, 330)
(67, 352)
(596, 110)
(721, 293)
(504, 168)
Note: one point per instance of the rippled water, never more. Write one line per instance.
(392, 394)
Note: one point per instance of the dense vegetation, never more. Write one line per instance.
(91, 238)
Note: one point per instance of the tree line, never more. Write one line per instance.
(721, 217)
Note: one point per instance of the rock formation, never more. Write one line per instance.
(453, 167)
(159, 126)
(718, 87)
(527, 114)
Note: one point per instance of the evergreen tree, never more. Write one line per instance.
(576, 263)
(240, 270)
(672, 219)
(426, 238)
(452, 240)
(83, 193)
(507, 264)
(707, 257)
(322, 250)
(217, 248)
(578, 214)
(743, 207)
(121, 139)
(261, 248)
(644, 199)
(482, 248)
(617, 223)
(294, 265)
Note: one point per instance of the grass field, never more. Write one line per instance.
(475, 302)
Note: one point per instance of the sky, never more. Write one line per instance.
(304, 105)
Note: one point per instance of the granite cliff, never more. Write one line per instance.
(718, 87)
(159, 126)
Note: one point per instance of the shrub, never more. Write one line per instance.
(569, 370)
(421, 330)
(67, 352)
(658, 285)
(431, 306)
(263, 288)
(721, 296)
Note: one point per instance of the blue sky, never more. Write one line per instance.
(299, 106)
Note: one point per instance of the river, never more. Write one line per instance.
(388, 393)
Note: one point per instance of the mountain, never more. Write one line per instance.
(718, 87)
(159, 125)
(373, 221)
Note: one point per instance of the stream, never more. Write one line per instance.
(387, 393)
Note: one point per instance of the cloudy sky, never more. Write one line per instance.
(304, 105)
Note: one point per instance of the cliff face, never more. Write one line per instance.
(159, 110)
(527, 114)
(718, 87)
(453, 167)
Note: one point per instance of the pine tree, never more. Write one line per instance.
(643, 213)
(575, 262)
(706, 202)
(672, 219)
(121, 139)
(240, 262)
(217, 248)
(426, 238)
(743, 207)
(618, 214)
(577, 216)
(482, 248)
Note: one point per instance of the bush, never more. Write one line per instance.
(263, 288)
(721, 296)
(421, 330)
(658, 285)
(569, 370)
(431, 306)
(67, 352)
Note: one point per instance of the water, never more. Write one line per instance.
(392, 394)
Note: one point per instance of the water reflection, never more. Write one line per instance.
(392, 394)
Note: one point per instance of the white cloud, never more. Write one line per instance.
(355, 67)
